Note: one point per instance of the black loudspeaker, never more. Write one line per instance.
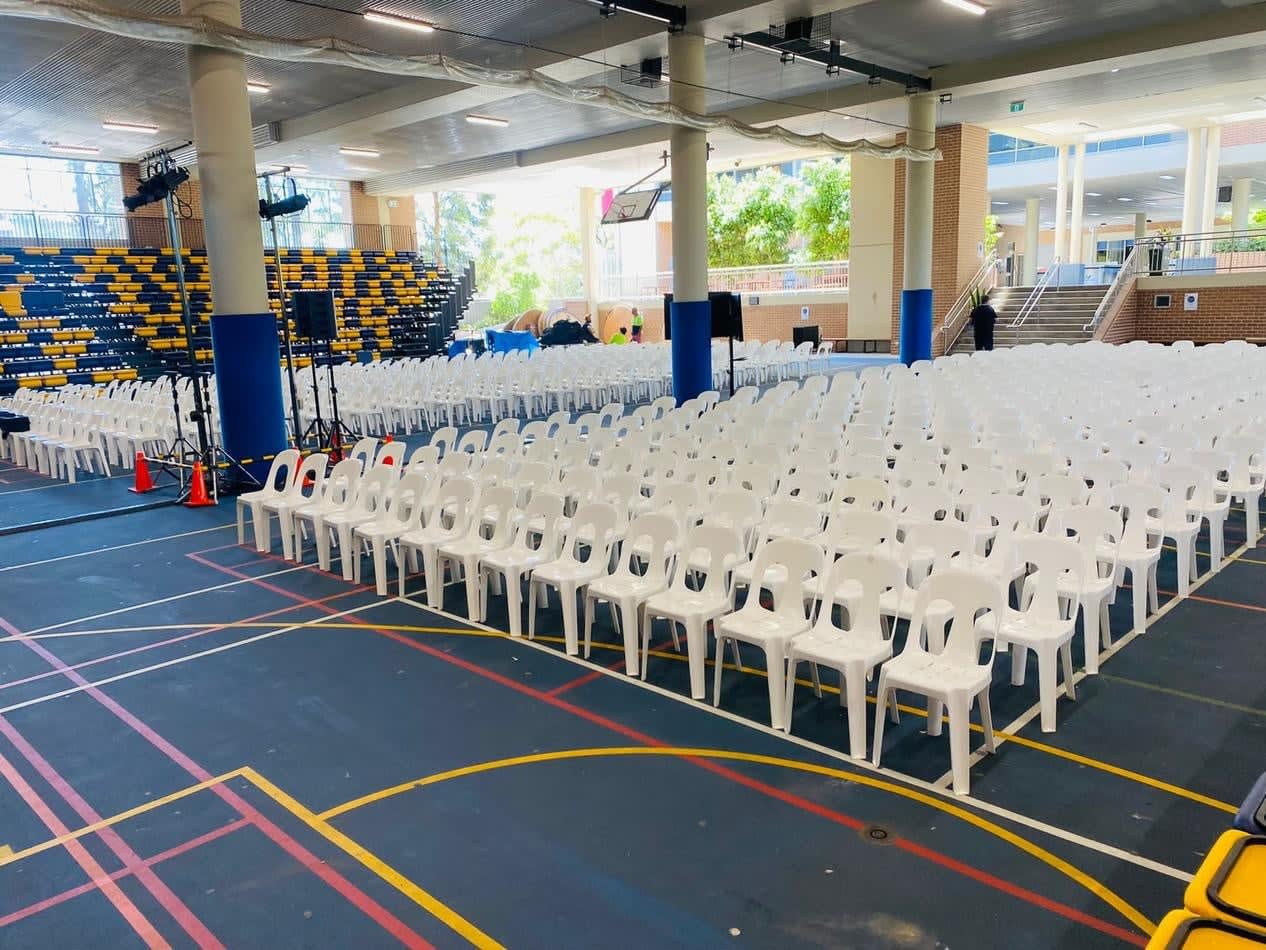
(727, 315)
(314, 314)
(1224, 194)
(811, 333)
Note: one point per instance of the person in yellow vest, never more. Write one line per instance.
(637, 326)
(619, 336)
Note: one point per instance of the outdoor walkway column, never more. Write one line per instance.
(1241, 195)
(1061, 204)
(1032, 237)
(916, 294)
(1140, 225)
(1193, 183)
(691, 314)
(589, 251)
(243, 329)
(1209, 193)
(1076, 224)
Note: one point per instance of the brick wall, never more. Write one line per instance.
(767, 321)
(1120, 325)
(1225, 313)
(1244, 133)
(364, 207)
(960, 202)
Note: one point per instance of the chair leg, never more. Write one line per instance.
(1047, 675)
(986, 718)
(1138, 598)
(591, 604)
(853, 690)
(349, 553)
(629, 611)
(1090, 637)
(241, 522)
(936, 716)
(1019, 661)
(960, 745)
(696, 655)
(881, 698)
(514, 603)
(718, 665)
(263, 532)
(474, 607)
(774, 681)
(1066, 657)
(571, 638)
(434, 578)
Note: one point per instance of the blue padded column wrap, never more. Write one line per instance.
(916, 326)
(692, 348)
(248, 385)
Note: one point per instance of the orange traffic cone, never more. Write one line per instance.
(198, 497)
(388, 459)
(143, 481)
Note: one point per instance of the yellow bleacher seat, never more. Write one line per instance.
(25, 278)
(1231, 882)
(65, 364)
(6, 259)
(1181, 930)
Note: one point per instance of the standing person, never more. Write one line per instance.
(637, 326)
(983, 317)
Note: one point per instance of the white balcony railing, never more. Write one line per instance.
(820, 277)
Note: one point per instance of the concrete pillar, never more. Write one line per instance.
(1032, 237)
(589, 250)
(1193, 182)
(691, 316)
(1076, 240)
(243, 329)
(1209, 194)
(1241, 195)
(1061, 204)
(916, 293)
(870, 262)
(1140, 225)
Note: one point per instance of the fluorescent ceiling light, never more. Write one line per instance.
(1002, 203)
(967, 6)
(1125, 199)
(403, 22)
(281, 167)
(1169, 177)
(474, 119)
(75, 149)
(1094, 194)
(257, 87)
(1052, 188)
(623, 9)
(357, 152)
(130, 127)
(1115, 69)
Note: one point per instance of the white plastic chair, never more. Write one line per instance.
(402, 515)
(855, 648)
(465, 552)
(456, 500)
(794, 560)
(372, 498)
(570, 572)
(648, 545)
(304, 489)
(953, 678)
(536, 539)
(1097, 532)
(1140, 548)
(338, 491)
(281, 475)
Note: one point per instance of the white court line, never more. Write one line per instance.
(965, 801)
(185, 659)
(23, 491)
(115, 547)
(1026, 717)
(167, 600)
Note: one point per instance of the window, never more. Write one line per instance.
(325, 222)
(56, 201)
(1113, 252)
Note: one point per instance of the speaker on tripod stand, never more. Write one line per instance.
(315, 323)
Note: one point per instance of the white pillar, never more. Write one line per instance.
(1209, 194)
(589, 250)
(1076, 240)
(1140, 225)
(1193, 182)
(870, 255)
(691, 320)
(1032, 237)
(1061, 204)
(1241, 194)
(226, 167)
(916, 297)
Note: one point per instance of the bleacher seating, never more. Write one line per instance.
(92, 315)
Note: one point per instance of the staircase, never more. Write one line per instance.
(1060, 317)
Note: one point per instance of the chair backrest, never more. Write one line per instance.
(945, 541)
(456, 500)
(339, 489)
(969, 595)
(474, 441)
(798, 559)
(596, 522)
(312, 468)
(860, 529)
(759, 479)
(791, 518)
(876, 574)
(713, 550)
(649, 538)
(538, 530)
(1137, 503)
(407, 505)
(856, 492)
(281, 472)
(925, 502)
(501, 502)
(1059, 563)
(376, 489)
(428, 455)
(393, 454)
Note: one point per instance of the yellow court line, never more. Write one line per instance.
(422, 898)
(254, 625)
(1110, 897)
(1195, 697)
(5, 850)
(12, 856)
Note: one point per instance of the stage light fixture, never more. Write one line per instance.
(162, 181)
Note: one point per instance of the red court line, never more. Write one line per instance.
(796, 801)
(183, 636)
(590, 677)
(358, 898)
(165, 896)
(49, 903)
(144, 929)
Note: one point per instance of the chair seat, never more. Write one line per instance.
(614, 588)
(1020, 627)
(839, 651)
(677, 605)
(556, 572)
(761, 627)
(929, 674)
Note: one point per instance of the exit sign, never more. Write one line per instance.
(1017, 106)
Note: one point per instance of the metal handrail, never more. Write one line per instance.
(1129, 270)
(959, 309)
(1035, 296)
